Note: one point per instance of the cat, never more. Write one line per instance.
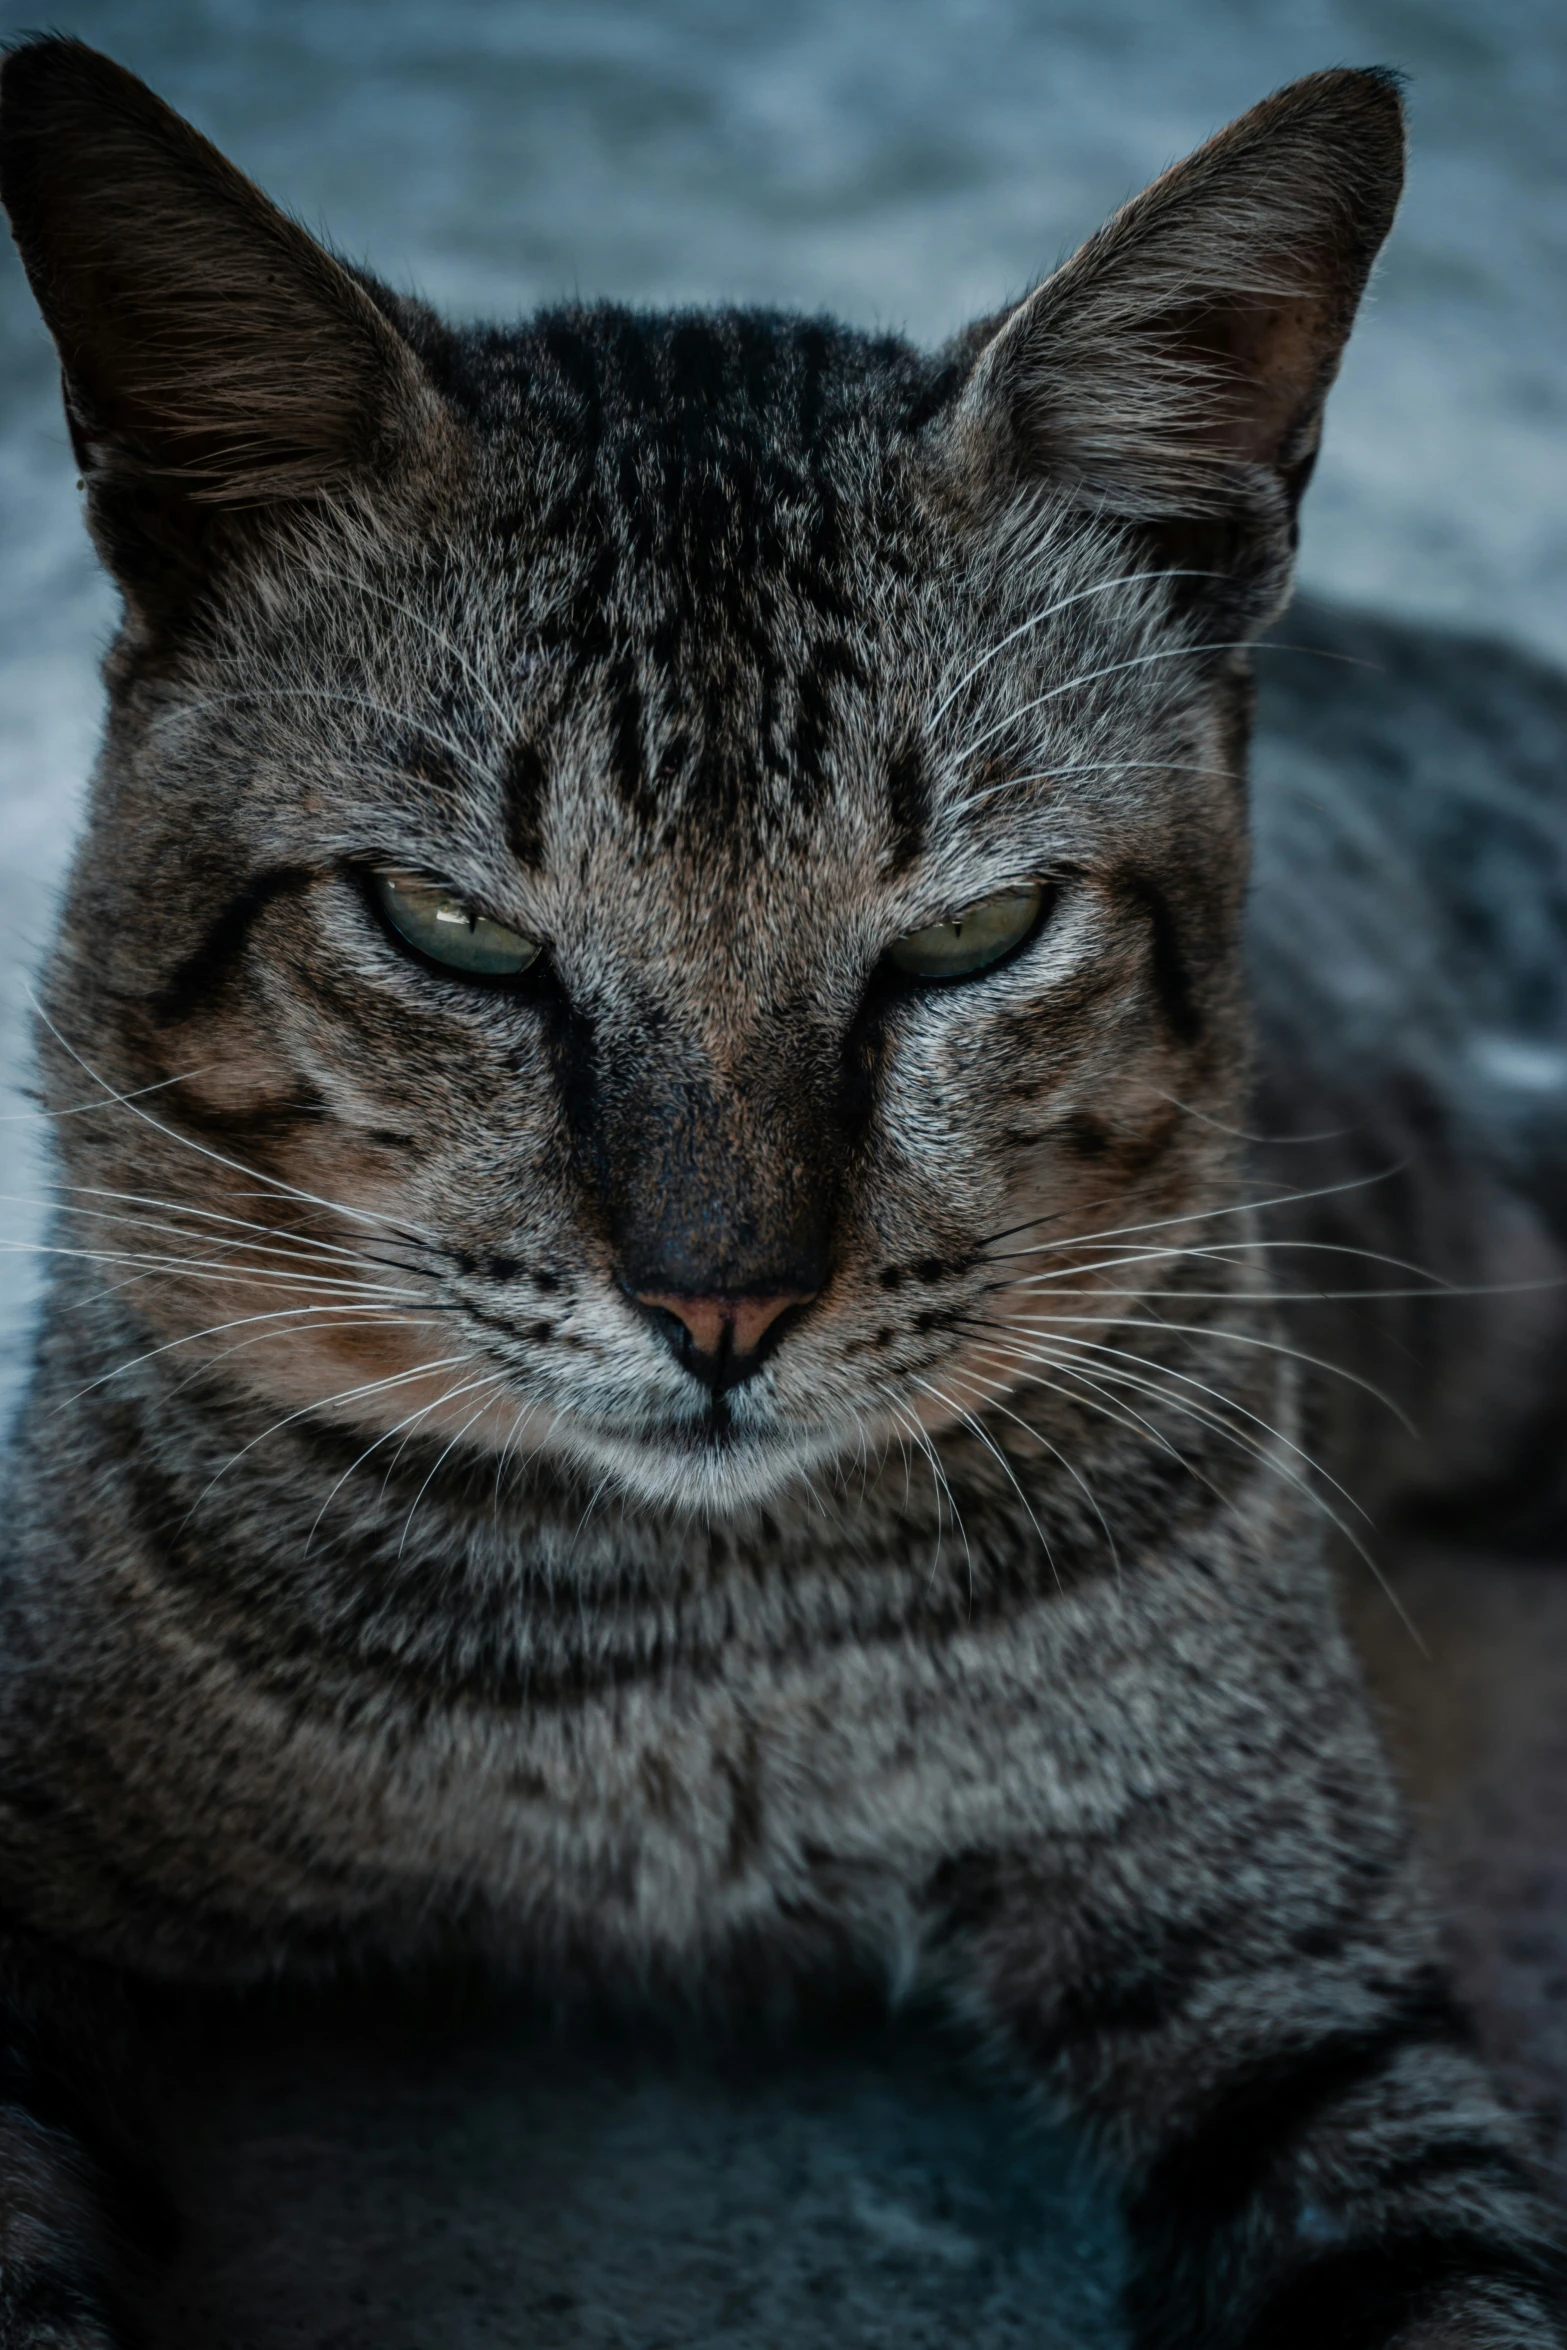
(1407, 956)
(657, 1369)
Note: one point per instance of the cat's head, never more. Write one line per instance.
(664, 872)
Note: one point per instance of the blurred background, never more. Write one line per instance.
(905, 162)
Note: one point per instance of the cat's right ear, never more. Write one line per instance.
(1171, 374)
(217, 361)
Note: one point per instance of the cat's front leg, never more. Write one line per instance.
(80, 2207)
(1264, 2046)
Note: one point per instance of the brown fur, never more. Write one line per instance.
(969, 1628)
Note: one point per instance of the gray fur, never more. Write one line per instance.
(1408, 949)
(447, 1610)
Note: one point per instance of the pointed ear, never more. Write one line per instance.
(1175, 368)
(214, 355)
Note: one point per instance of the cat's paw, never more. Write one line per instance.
(1483, 2317)
(50, 2316)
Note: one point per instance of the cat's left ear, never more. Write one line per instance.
(1174, 369)
(219, 364)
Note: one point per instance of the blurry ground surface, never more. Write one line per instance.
(503, 2188)
(366, 2180)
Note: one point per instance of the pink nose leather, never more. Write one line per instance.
(746, 1319)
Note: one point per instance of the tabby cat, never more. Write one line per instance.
(657, 1368)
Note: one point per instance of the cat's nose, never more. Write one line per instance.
(720, 1339)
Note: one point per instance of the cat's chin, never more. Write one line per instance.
(695, 1470)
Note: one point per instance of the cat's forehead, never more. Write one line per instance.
(649, 407)
(707, 488)
(703, 611)
(700, 540)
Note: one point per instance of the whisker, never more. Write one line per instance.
(447, 644)
(1084, 677)
(1239, 1133)
(1247, 1443)
(1207, 1330)
(939, 1488)
(307, 1240)
(1443, 1291)
(218, 1158)
(948, 1403)
(385, 1437)
(328, 1329)
(1228, 1253)
(993, 1403)
(84, 1109)
(1341, 1526)
(371, 1321)
(1182, 652)
(1081, 767)
(210, 1269)
(1151, 1375)
(1109, 1232)
(513, 1442)
(314, 693)
(1123, 1416)
(1037, 620)
(276, 1245)
(488, 1380)
(322, 1404)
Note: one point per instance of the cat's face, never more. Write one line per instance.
(708, 669)
(715, 746)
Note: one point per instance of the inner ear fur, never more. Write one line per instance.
(214, 355)
(1175, 367)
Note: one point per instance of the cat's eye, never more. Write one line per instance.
(968, 941)
(435, 920)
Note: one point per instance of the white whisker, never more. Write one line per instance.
(1084, 677)
(314, 693)
(212, 1269)
(85, 1109)
(1102, 587)
(447, 644)
(948, 1403)
(1107, 1233)
(996, 1383)
(489, 1379)
(1151, 1375)
(1207, 1330)
(1217, 1425)
(1084, 767)
(272, 1183)
(365, 1320)
(322, 1404)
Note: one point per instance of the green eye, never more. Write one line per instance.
(979, 935)
(437, 922)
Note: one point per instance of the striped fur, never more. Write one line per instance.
(379, 1581)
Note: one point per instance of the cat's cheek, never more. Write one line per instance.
(391, 1378)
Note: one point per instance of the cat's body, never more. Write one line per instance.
(1407, 951)
(657, 1368)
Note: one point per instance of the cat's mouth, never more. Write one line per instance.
(711, 1459)
(713, 1430)
(716, 1427)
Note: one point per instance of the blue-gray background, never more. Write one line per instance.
(908, 162)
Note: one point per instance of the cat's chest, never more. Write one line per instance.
(240, 1797)
(668, 1813)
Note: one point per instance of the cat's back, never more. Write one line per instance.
(1408, 950)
